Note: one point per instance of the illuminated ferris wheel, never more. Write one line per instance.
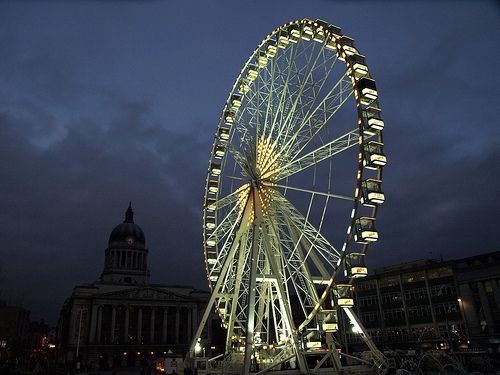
(292, 193)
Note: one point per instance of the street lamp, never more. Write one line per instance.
(78, 341)
(464, 317)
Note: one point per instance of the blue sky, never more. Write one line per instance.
(103, 102)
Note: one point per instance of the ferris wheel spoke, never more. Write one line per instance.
(313, 192)
(302, 84)
(295, 264)
(238, 157)
(228, 199)
(316, 156)
(318, 118)
(284, 89)
(308, 100)
(227, 222)
(302, 262)
(310, 232)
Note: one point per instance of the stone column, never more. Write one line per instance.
(93, 322)
(194, 318)
(139, 326)
(189, 325)
(125, 326)
(380, 309)
(469, 309)
(164, 332)
(488, 316)
(405, 308)
(99, 324)
(177, 316)
(431, 305)
(113, 323)
(496, 291)
(152, 332)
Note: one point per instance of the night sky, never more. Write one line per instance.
(106, 102)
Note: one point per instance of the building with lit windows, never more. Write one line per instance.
(432, 304)
(122, 319)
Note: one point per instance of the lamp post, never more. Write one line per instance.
(78, 341)
(464, 316)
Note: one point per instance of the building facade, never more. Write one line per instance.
(122, 319)
(14, 331)
(432, 304)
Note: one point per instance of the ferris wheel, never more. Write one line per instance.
(292, 193)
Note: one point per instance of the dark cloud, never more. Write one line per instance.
(103, 103)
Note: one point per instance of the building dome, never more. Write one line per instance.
(128, 232)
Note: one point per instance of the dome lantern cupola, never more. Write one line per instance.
(127, 232)
(126, 258)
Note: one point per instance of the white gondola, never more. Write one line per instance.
(313, 339)
(283, 40)
(331, 44)
(374, 155)
(219, 151)
(271, 49)
(348, 45)
(224, 134)
(229, 117)
(329, 321)
(213, 278)
(307, 33)
(215, 169)
(211, 261)
(210, 222)
(235, 102)
(252, 72)
(213, 187)
(367, 90)
(372, 120)
(211, 242)
(210, 204)
(244, 87)
(294, 34)
(342, 295)
(319, 36)
(358, 65)
(335, 30)
(354, 266)
(262, 59)
(364, 230)
(371, 192)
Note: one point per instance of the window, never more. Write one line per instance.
(419, 311)
(368, 301)
(416, 294)
(391, 297)
(443, 290)
(446, 308)
(369, 316)
(414, 277)
(388, 282)
(366, 285)
(394, 314)
(439, 272)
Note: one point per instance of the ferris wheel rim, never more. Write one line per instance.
(361, 138)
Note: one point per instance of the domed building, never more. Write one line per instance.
(122, 319)
(126, 258)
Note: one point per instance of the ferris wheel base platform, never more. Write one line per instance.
(348, 370)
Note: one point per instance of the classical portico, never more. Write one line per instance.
(122, 319)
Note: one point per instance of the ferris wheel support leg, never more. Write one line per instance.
(251, 299)
(215, 294)
(379, 359)
(285, 306)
